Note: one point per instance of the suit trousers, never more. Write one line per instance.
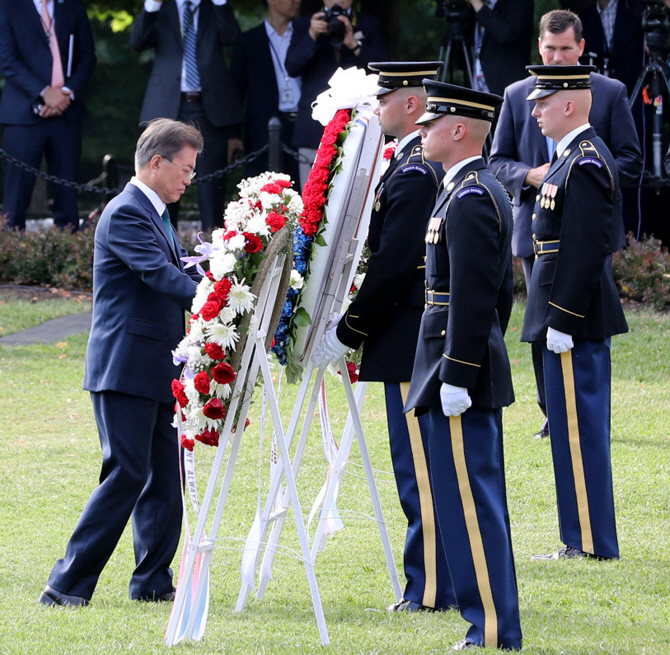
(214, 157)
(139, 478)
(578, 385)
(60, 141)
(289, 163)
(425, 564)
(468, 478)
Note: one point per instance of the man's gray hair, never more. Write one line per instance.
(166, 138)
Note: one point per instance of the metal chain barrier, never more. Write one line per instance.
(92, 185)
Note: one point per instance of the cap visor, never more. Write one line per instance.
(428, 116)
(382, 91)
(541, 93)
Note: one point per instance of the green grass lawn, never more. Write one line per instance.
(49, 459)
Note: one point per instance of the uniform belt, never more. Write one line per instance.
(191, 96)
(289, 116)
(545, 247)
(437, 298)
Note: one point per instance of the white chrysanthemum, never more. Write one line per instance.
(222, 265)
(221, 391)
(236, 243)
(297, 281)
(268, 200)
(358, 280)
(240, 299)
(223, 334)
(226, 315)
(217, 235)
(202, 422)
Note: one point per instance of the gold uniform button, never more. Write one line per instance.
(443, 332)
(534, 216)
(537, 198)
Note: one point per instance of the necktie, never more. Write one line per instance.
(190, 63)
(57, 80)
(168, 226)
(551, 149)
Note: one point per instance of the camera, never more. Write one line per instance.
(456, 13)
(655, 24)
(336, 28)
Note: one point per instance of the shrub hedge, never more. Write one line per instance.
(59, 259)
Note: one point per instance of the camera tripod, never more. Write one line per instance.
(456, 42)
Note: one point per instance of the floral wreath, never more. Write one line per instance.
(311, 221)
(223, 298)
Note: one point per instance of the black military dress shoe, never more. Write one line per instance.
(464, 644)
(403, 605)
(52, 597)
(568, 552)
(543, 432)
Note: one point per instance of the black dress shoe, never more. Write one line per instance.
(162, 598)
(52, 597)
(568, 552)
(464, 644)
(543, 432)
(403, 605)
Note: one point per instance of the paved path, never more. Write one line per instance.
(58, 329)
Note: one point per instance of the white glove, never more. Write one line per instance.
(559, 342)
(330, 349)
(455, 400)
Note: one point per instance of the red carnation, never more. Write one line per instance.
(187, 443)
(284, 184)
(222, 288)
(271, 187)
(214, 409)
(179, 393)
(210, 276)
(223, 373)
(275, 221)
(211, 308)
(352, 369)
(201, 382)
(209, 438)
(229, 235)
(214, 350)
(253, 243)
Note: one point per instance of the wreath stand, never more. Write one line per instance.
(336, 290)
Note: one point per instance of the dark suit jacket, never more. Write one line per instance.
(462, 343)
(573, 289)
(626, 57)
(26, 58)
(254, 78)
(519, 145)
(507, 40)
(386, 312)
(161, 30)
(140, 293)
(316, 61)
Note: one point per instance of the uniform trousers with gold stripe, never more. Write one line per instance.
(578, 386)
(425, 563)
(468, 478)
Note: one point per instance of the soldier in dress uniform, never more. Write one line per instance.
(574, 309)
(385, 318)
(462, 378)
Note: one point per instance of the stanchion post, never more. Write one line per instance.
(274, 142)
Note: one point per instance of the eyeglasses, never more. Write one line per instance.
(188, 174)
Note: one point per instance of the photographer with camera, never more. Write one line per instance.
(336, 37)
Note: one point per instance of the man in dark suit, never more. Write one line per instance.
(520, 153)
(462, 377)
(190, 82)
(47, 56)
(140, 292)
(501, 38)
(315, 54)
(263, 84)
(385, 316)
(573, 308)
